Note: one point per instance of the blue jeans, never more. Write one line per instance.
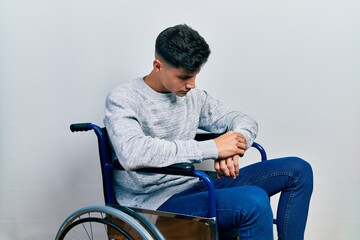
(243, 205)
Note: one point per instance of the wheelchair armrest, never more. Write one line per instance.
(206, 136)
(185, 169)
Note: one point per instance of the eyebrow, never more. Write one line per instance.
(185, 76)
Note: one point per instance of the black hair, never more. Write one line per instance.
(182, 47)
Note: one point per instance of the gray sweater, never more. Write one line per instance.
(151, 129)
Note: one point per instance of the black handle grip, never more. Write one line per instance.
(79, 127)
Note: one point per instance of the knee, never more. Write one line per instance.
(244, 207)
(258, 203)
(302, 170)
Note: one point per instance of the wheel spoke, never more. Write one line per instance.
(98, 223)
(83, 225)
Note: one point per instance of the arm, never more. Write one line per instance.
(218, 118)
(240, 129)
(135, 147)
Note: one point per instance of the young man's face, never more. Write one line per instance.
(175, 80)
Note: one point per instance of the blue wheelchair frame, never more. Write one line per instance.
(184, 169)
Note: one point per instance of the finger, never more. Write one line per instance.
(236, 165)
(241, 139)
(217, 166)
(230, 167)
(217, 169)
(224, 168)
(241, 145)
(242, 153)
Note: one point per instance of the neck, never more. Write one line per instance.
(152, 80)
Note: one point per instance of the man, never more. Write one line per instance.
(152, 122)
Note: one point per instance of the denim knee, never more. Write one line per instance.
(302, 171)
(256, 215)
(243, 206)
(259, 201)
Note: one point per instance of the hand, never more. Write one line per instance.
(230, 144)
(228, 167)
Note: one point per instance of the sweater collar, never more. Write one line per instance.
(142, 86)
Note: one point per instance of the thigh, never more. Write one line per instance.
(271, 175)
(234, 205)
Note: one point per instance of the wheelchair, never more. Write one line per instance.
(116, 222)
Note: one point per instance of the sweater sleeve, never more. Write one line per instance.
(218, 118)
(135, 149)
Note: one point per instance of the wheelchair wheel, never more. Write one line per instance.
(102, 222)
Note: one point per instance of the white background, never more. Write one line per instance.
(292, 65)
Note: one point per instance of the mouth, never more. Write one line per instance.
(182, 93)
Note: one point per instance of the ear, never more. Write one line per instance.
(157, 65)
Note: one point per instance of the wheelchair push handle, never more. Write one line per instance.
(80, 127)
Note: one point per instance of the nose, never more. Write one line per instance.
(190, 84)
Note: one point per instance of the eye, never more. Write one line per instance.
(184, 77)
